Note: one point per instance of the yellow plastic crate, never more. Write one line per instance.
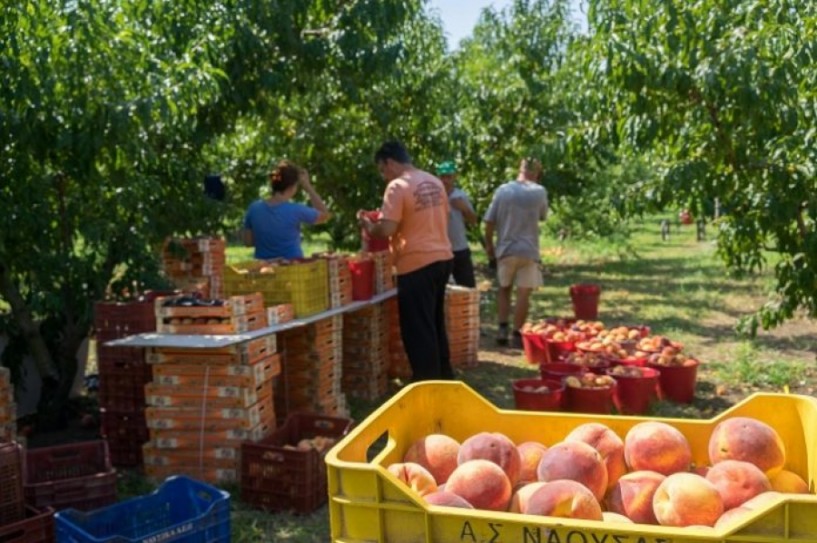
(367, 504)
(304, 284)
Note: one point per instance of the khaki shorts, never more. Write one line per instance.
(522, 271)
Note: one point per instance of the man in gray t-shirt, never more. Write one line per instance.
(460, 215)
(514, 214)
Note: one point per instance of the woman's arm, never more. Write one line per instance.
(315, 199)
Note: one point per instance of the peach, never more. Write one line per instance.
(530, 453)
(607, 516)
(565, 499)
(686, 499)
(632, 496)
(656, 446)
(737, 482)
(609, 445)
(732, 515)
(576, 461)
(481, 483)
(435, 452)
(520, 498)
(789, 482)
(750, 440)
(447, 499)
(418, 478)
(497, 448)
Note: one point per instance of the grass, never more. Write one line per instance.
(678, 288)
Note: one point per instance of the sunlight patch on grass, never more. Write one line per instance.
(753, 367)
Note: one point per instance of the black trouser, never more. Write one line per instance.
(421, 301)
(463, 271)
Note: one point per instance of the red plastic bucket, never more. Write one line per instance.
(590, 400)
(585, 299)
(557, 350)
(558, 370)
(535, 348)
(529, 395)
(362, 270)
(370, 244)
(634, 394)
(677, 383)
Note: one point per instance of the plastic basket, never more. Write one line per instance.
(76, 475)
(181, 510)
(275, 478)
(369, 504)
(11, 483)
(36, 527)
(304, 284)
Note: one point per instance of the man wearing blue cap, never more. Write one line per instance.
(461, 215)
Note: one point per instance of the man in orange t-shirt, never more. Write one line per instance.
(415, 218)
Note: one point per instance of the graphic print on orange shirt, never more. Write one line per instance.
(427, 194)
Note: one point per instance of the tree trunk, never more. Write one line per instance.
(51, 413)
(29, 328)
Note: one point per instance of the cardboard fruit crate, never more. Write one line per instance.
(212, 325)
(181, 510)
(36, 527)
(204, 398)
(78, 475)
(276, 475)
(221, 458)
(214, 476)
(304, 284)
(369, 504)
(195, 375)
(211, 439)
(246, 353)
(214, 419)
(233, 306)
(279, 314)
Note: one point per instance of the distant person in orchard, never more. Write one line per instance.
(415, 218)
(514, 215)
(461, 216)
(273, 225)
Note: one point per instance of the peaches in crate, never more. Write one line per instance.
(590, 380)
(587, 359)
(588, 328)
(655, 344)
(605, 347)
(670, 356)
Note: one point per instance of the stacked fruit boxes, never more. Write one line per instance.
(203, 403)
(340, 279)
(366, 352)
(312, 369)
(8, 412)
(383, 271)
(462, 325)
(123, 374)
(399, 366)
(196, 265)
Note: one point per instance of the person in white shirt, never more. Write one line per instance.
(461, 215)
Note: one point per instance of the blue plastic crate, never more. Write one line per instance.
(182, 510)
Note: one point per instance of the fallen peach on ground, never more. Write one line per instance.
(749, 440)
(565, 499)
(481, 483)
(576, 461)
(495, 447)
(632, 496)
(657, 446)
(435, 452)
(609, 445)
(686, 499)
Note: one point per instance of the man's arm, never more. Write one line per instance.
(246, 237)
(314, 198)
(462, 205)
(489, 240)
(383, 228)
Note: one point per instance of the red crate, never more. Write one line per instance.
(125, 318)
(37, 527)
(77, 475)
(11, 483)
(275, 477)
